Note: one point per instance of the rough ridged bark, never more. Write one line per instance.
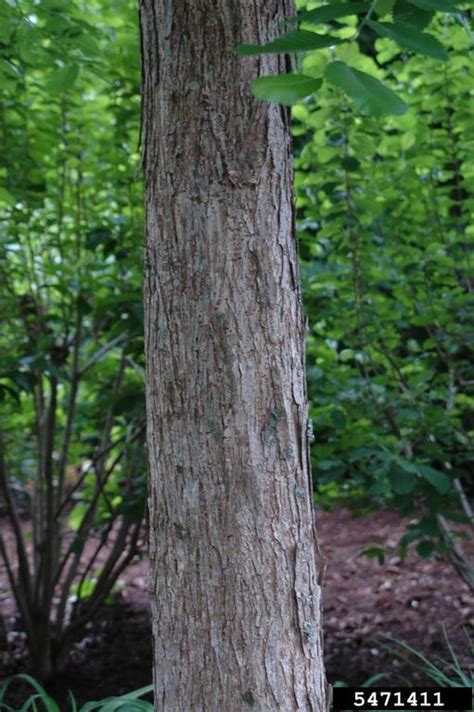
(235, 597)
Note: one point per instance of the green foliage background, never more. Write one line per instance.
(70, 230)
(384, 220)
(385, 207)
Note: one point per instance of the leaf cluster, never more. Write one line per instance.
(339, 26)
(384, 219)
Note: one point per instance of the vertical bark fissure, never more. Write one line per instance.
(234, 588)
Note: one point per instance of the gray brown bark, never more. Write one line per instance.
(235, 596)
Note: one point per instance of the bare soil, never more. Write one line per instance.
(416, 601)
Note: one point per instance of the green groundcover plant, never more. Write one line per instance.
(40, 700)
(443, 672)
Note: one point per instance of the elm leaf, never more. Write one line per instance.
(295, 41)
(284, 88)
(368, 93)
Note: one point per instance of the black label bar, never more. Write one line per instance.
(402, 698)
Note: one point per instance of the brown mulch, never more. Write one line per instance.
(415, 601)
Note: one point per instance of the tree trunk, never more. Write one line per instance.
(234, 587)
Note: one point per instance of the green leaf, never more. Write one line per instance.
(428, 526)
(425, 548)
(404, 12)
(436, 5)
(97, 237)
(73, 702)
(26, 381)
(6, 198)
(49, 704)
(407, 465)
(53, 370)
(88, 45)
(63, 79)
(285, 88)
(78, 544)
(327, 465)
(332, 12)
(296, 41)
(122, 703)
(406, 36)
(439, 480)
(76, 516)
(409, 538)
(383, 7)
(339, 419)
(402, 482)
(374, 552)
(7, 390)
(368, 94)
(350, 164)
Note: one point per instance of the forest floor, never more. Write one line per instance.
(413, 600)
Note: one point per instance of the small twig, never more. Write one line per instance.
(19, 593)
(71, 406)
(86, 520)
(102, 351)
(94, 460)
(466, 505)
(24, 568)
(456, 553)
(99, 596)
